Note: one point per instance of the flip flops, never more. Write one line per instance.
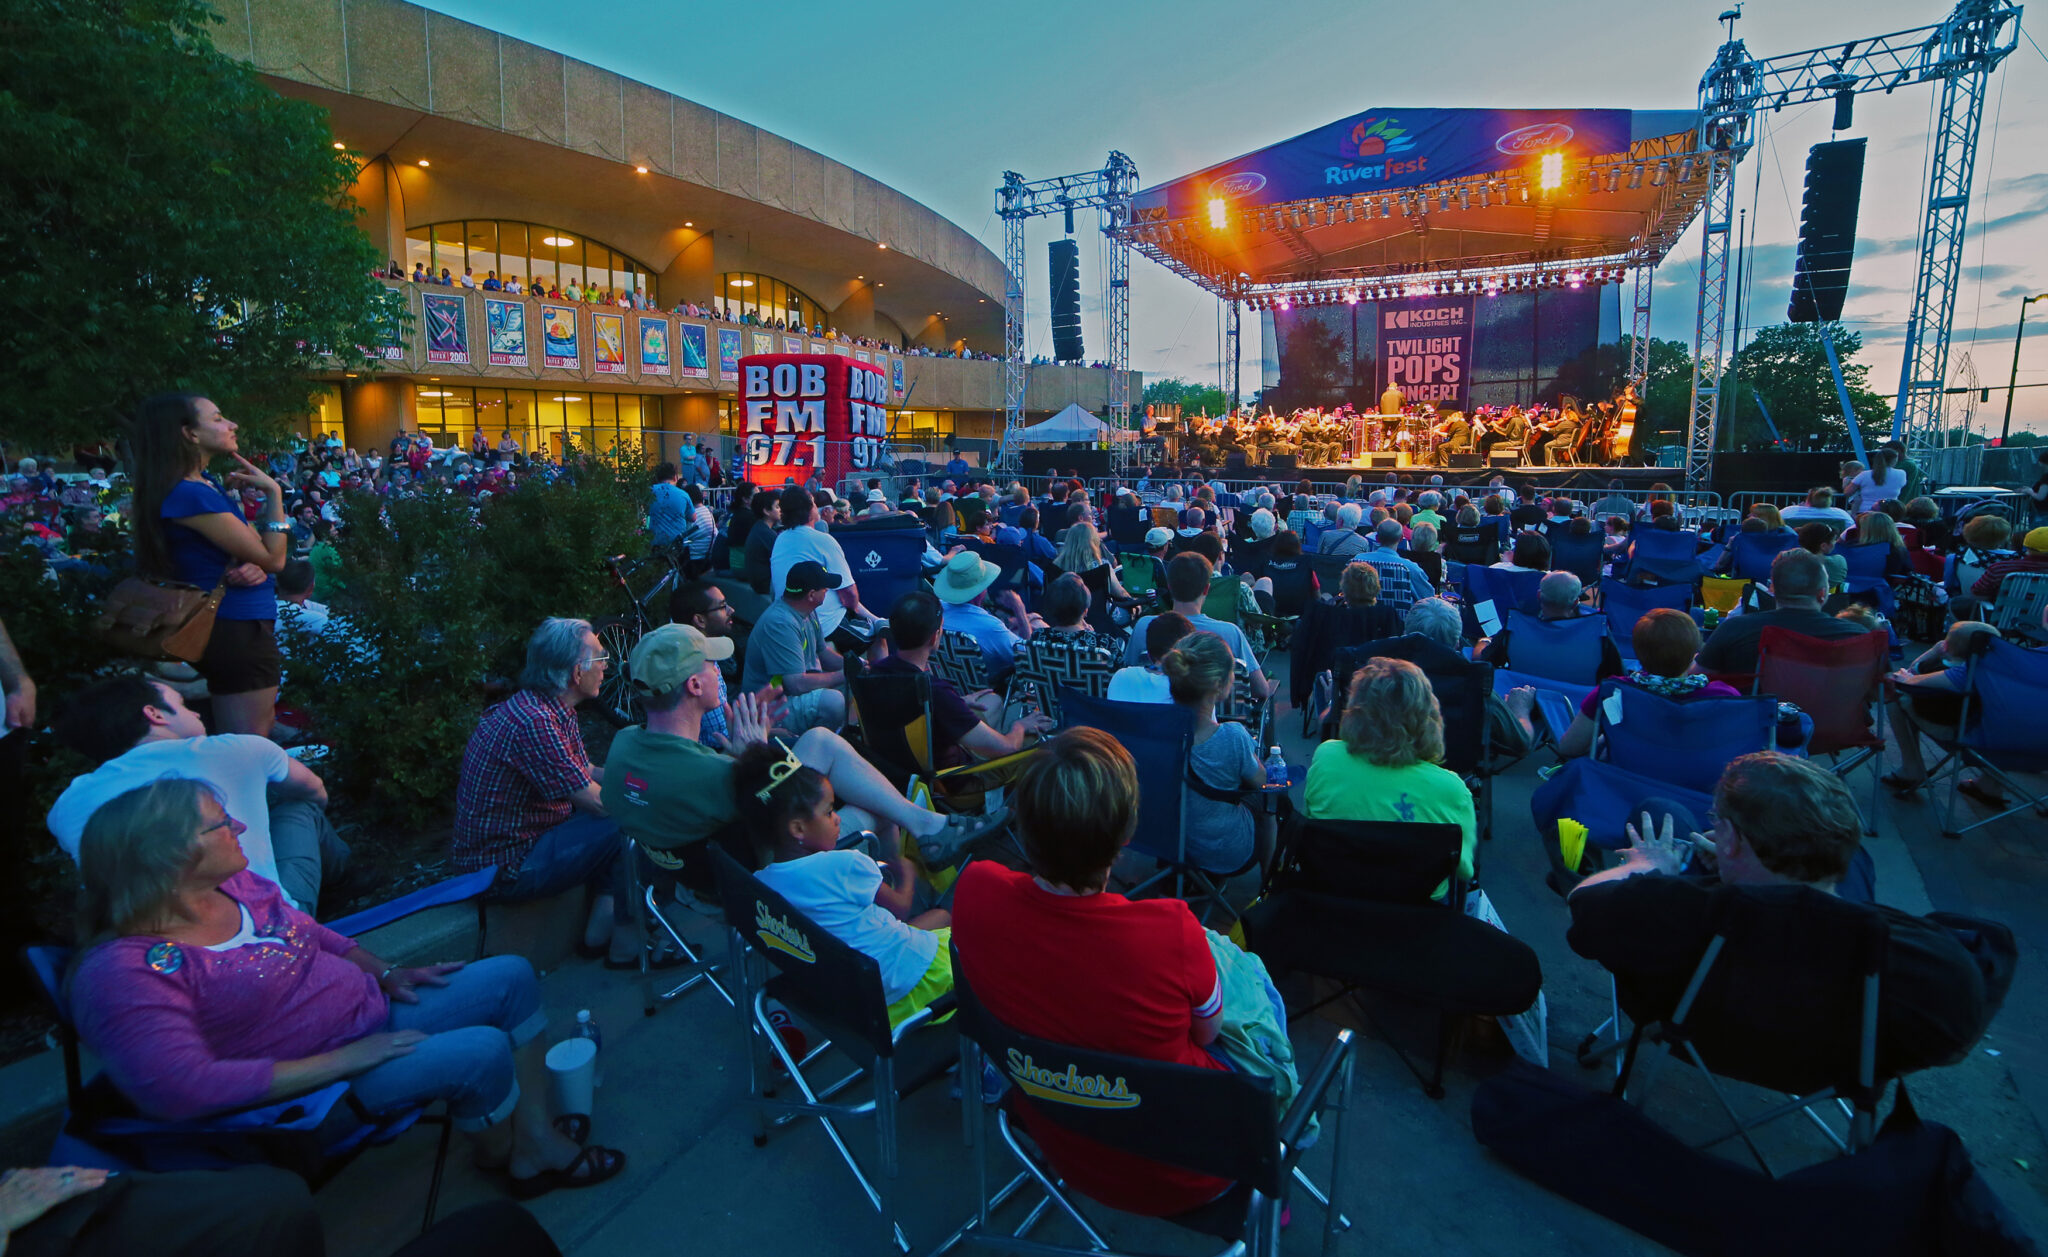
(594, 1165)
(1899, 786)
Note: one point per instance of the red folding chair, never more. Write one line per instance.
(1837, 682)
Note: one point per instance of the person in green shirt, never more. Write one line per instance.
(1386, 766)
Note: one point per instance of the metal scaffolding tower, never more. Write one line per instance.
(1233, 350)
(1109, 190)
(1960, 54)
(1639, 332)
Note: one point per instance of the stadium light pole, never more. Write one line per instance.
(2012, 383)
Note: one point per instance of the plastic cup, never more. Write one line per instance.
(572, 1076)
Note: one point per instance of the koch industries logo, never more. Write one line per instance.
(1540, 138)
(1433, 317)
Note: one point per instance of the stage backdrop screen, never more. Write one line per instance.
(806, 414)
(1520, 348)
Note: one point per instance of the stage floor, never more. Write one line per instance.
(1517, 478)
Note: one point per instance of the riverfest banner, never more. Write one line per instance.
(447, 321)
(654, 359)
(505, 322)
(558, 338)
(1425, 349)
(728, 352)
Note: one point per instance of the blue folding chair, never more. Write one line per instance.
(1866, 572)
(1624, 605)
(1570, 651)
(1491, 592)
(1686, 744)
(886, 565)
(1557, 702)
(2005, 692)
(1584, 557)
(1663, 558)
(101, 1129)
(1750, 554)
(1011, 562)
(1311, 533)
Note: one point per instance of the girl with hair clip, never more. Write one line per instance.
(789, 810)
(1221, 833)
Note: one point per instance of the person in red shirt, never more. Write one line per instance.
(1055, 954)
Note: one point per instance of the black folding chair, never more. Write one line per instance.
(839, 991)
(1215, 1122)
(674, 874)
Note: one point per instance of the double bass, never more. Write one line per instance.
(1624, 429)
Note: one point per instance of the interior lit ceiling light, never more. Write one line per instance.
(559, 242)
(339, 144)
(739, 283)
(565, 399)
(640, 169)
(423, 161)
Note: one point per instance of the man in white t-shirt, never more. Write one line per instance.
(138, 730)
(802, 539)
(1187, 582)
(1819, 507)
(1883, 482)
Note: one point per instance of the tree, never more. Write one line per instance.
(1667, 393)
(166, 221)
(1788, 367)
(1193, 399)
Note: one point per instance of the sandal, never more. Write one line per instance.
(592, 1166)
(666, 960)
(1899, 786)
(1976, 789)
(574, 1127)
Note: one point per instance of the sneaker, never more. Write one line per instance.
(951, 844)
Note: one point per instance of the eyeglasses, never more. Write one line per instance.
(225, 822)
(782, 771)
(596, 661)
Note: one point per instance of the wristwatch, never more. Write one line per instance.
(277, 525)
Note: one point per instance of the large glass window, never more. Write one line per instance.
(545, 420)
(531, 251)
(767, 299)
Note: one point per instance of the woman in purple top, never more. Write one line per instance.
(203, 991)
(188, 530)
(1667, 645)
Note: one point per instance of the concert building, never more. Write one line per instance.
(483, 154)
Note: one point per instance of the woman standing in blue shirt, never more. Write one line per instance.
(187, 530)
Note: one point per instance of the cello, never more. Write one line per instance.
(1624, 426)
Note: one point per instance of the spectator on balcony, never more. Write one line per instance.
(512, 286)
(447, 280)
(491, 283)
(469, 279)
(419, 273)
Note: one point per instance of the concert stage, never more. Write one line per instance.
(1577, 480)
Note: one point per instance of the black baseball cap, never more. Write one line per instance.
(807, 576)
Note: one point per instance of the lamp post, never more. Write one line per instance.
(2012, 383)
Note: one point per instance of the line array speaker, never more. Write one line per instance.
(1066, 301)
(1827, 231)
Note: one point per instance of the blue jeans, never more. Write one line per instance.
(584, 850)
(487, 1009)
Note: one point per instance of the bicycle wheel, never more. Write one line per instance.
(616, 698)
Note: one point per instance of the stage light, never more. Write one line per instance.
(1552, 171)
(1685, 171)
(1663, 173)
(1635, 177)
(1574, 278)
(1493, 287)
(1282, 303)
(1464, 198)
(1219, 213)
(1351, 211)
(1484, 195)
(1613, 178)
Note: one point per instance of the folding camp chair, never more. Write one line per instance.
(1750, 554)
(2022, 608)
(1570, 650)
(1461, 686)
(1866, 572)
(653, 875)
(1048, 664)
(1786, 996)
(1557, 702)
(102, 1129)
(1227, 598)
(1160, 738)
(1623, 605)
(1356, 902)
(2000, 731)
(957, 658)
(885, 564)
(1663, 558)
(1012, 564)
(1723, 594)
(1686, 744)
(895, 711)
(1208, 1121)
(1293, 585)
(1582, 556)
(1329, 570)
(1836, 682)
(1143, 578)
(1477, 545)
(839, 991)
(1490, 593)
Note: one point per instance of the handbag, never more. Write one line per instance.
(159, 619)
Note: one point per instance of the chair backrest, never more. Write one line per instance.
(1833, 680)
(2023, 605)
(2008, 693)
(1664, 557)
(1581, 556)
(1226, 598)
(1293, 585)
(1560, 650)
(1250, 557)
(1492, 592)
(1751, 553)
(1311, 533)
(1128, 525)
(1011, 560)
(1055, 663)
(1329, 569)
(1160, 738)
(1399, 862)
(1165, 517)
(886, 564)
(1689, 743)
(1724, 593)
(895, 716)
(1461, 688)
(1211, 1121)
(1479, 544)
(1142, 575)
(1866, 563)
(821, 978)
(1626, 604)
(958, 659)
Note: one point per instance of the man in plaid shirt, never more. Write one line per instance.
(528, 798)
(1402, 582)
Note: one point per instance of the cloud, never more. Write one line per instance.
(2016, 290)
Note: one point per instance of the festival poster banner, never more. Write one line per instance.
(690, 344)
(505, 322)
(896, 375)
(844, 351)
(819, 347)
(390, 346)
(447, 329)
(792, 345)
(654, 359)
(860, 355)
(608, 343)
(764, 342)
(728, 352)
(805, 414)
(1425, 348)
(558, 338)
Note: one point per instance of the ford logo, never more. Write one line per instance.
(1525, 140)
(1243, 183)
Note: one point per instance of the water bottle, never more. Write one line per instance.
(1276, 770)
(586, 1028)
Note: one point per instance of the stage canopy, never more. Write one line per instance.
(1069, 426)
(1391, 198)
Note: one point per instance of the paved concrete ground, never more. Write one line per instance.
(1416, 1181)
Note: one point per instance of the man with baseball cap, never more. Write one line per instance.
(962, 584)
(788, 645)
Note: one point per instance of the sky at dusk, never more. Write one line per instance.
(938, 100)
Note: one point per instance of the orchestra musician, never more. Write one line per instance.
(1455, 433)
(1510, 429)
(1558, 437)
(1393, 401)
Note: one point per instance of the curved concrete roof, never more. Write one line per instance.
(400, 76)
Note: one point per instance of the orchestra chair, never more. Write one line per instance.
(1750, 554)
(2001, 731)
(1378, 906)
(101, 1129)
(781, 955)
(1568, 651)
(1623, 605)
(1217, 1122)
(1838, 682)
(1686, 744)
(1866, 572)
(1657, 557)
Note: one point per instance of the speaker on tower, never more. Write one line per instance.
(1066, 301)
(1827, 231)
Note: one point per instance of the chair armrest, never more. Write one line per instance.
(940, 1007)
(965, 773)
(1310, 1099)
(452, 890)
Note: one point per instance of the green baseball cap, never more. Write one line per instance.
(671, 655)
